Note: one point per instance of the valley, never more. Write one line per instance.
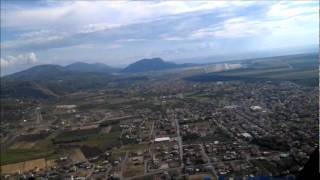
(250, 117)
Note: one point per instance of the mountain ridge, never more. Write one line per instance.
(153, 64)
(94, 67)
(50, 80)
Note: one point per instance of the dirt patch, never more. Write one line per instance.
(25, 166)
(133, 170)
(77, 155)
(105, 130)
(12, 168)
(93, 126)
(23, 145)
(34, 164)
(51, 163)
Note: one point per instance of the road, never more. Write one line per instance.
(152, 129)
(209, 161)
(179, 140)
(123, 164)
(152, 173)
(38, 115)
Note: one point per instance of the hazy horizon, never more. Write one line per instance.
(120, 33)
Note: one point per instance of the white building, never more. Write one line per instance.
(255, 108)
(162, 139)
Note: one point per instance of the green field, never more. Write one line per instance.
(103, 141)
(89, 137)
(69, 135)
(49, 149)
(19, 155)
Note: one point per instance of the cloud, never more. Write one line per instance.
(21, 59)
(295, 8)
(167, 37)
(70, 14)
(114, 46)
(241, 27)
(35, 34)
(97, 27)
(73, 23)
(34, 40)
(289, 25)
(131, 40)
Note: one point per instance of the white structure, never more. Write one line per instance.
(162, 139)
(255, 108)
(72, 106)
(246, 135)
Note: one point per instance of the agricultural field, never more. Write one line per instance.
(19, 155)
(28, 147)
(199, 176)
(133, 170)
(302, 69)
(31, 141)
(27, 166)
(89, 137)
(76, 155)
(33, 146)
(75, 135)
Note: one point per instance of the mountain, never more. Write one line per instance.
(26, 89)
(51, 81)
(96, 67)
(41, 72)
(145, 65)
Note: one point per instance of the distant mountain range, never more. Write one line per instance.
(57, 72)
(46, 81)
(53, 80)
(96, 67)
(154, 64)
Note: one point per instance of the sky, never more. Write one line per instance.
(118, 33)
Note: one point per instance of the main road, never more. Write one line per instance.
(179, 140)
(152, 173)
(204, 154)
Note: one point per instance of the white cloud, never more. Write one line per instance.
(21, 59)
(232, 27)
(291, 27)
(34, 38)
(241, 27)
(167, 37)
(173, 38)
(284, 9)
(131, 40)
(60, 22)
(114, 46)
(97, 27)
(35, 34)
(103, 14)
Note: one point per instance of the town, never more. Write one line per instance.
(159, 90)
(165, 129)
